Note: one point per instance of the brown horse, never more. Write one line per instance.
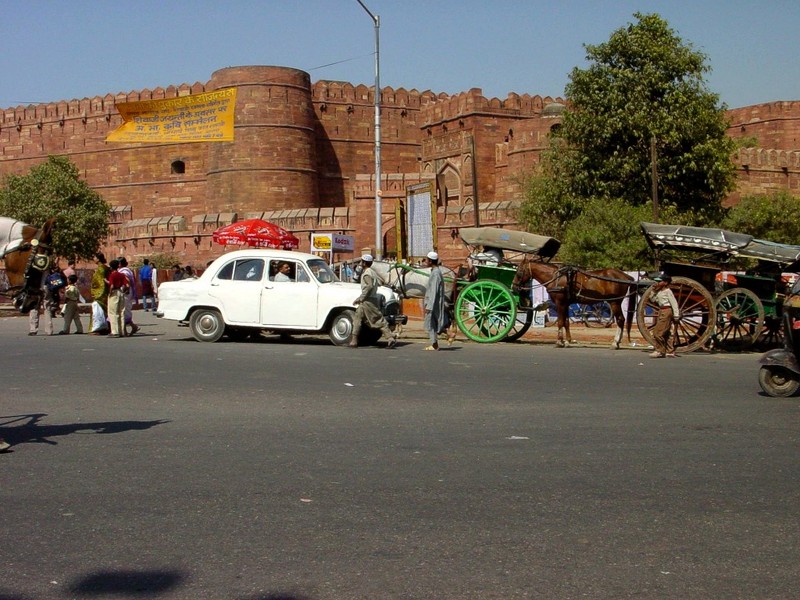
(568, 284)
(27, 253)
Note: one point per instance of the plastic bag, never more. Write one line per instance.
(98, 317)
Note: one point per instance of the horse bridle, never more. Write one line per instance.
(38, 262)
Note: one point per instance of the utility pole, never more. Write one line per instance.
(654, 177)
(378, 192)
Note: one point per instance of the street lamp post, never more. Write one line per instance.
(378, 209)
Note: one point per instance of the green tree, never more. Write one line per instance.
(775, 218)
(607, 234)
(54, 189)
(643, 84)
(549, 207)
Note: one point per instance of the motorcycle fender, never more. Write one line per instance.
(781, 358)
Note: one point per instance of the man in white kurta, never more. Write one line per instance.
(434, 303)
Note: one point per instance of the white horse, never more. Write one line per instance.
(410, 281)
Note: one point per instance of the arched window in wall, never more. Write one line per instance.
(448, 184)
(178, 167)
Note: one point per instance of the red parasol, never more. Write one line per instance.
(256, 233)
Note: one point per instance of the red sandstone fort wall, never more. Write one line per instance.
(304, 157)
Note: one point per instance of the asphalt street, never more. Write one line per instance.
(160, 467)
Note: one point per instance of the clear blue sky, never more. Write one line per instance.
(58, 49)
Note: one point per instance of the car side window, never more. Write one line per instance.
(226, 272)
(302, 274)
(250, 269)
(282, 271)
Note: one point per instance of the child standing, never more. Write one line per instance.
(71, 297)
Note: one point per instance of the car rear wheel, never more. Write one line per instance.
(206, 325)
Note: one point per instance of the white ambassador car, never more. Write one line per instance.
(245, 292)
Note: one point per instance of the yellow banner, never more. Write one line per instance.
(200, 118)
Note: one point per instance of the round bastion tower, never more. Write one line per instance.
(271, 164)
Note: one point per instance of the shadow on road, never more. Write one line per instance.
(126, 583)
(31, 431)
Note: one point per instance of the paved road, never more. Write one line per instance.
(159, 467)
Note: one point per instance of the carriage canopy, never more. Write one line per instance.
(508, 239)
(683, 237)
(771, 251)
(719, 242)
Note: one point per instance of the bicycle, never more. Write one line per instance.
(597, 314)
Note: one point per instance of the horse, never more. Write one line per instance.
(569, 284)
(27, 253)
(411, 282)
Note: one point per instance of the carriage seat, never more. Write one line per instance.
(484, 258)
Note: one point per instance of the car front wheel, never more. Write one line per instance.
(342, 328)
(206, 325)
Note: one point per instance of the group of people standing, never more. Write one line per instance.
(113, 293)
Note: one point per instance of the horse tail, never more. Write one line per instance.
(632, 297)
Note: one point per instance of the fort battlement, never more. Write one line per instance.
(780, 109)
(343, 92)
(474, 103)
(88, 108)
(760, 158)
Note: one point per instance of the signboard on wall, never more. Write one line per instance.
(333, 242)
(325, 244)
(420, 219)
(197, 118)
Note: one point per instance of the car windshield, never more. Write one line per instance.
(321, 271)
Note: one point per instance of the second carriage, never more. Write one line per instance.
(719, 307)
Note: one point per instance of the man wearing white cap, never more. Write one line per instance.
(367, 305)
(436, 317)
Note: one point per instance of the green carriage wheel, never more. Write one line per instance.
(740, 319)
(772, 333)
(486, 311)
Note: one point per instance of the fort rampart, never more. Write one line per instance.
(303, 156)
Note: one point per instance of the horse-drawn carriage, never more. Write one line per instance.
(485, 305)
(730, 311)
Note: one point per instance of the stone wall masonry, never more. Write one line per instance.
(305, 158)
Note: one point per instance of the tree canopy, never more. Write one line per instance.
(643, 85)
(54, 189)
(775, 218)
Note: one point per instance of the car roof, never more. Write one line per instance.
(267, 253)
